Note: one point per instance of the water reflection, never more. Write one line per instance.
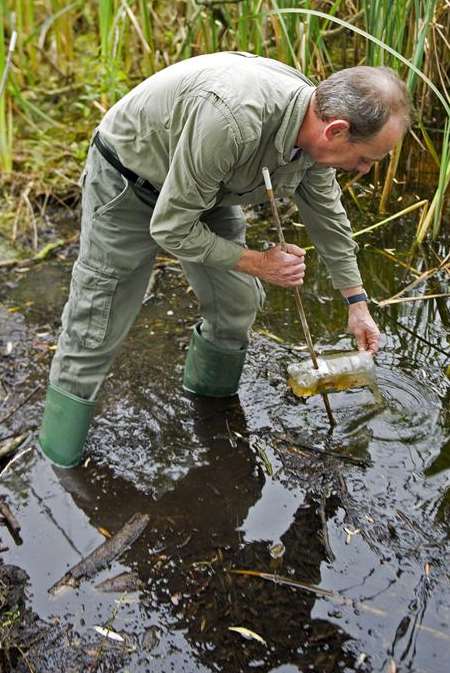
(215, 504)
(202, 527)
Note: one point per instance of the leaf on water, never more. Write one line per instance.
(360, 660)
(104, 532)
(246, 633)
(107, 633)
(392, 667)
(176, 598)
(350, 534)
(277, 550)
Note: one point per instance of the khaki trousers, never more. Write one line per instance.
(111, 274)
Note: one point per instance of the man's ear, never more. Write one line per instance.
(336, 128)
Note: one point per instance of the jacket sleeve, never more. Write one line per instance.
(319, 200)
(206, 152)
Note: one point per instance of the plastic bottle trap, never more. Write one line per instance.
(336, 372)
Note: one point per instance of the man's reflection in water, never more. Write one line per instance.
(194, 537)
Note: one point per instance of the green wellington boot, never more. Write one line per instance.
(65, 426)
(211, 370)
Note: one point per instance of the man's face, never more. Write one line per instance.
(339, 152)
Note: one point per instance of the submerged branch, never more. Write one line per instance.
(21, 404)
(422, 339)
(423, 276)
(332, 595)
(328, 453)
(105, 553)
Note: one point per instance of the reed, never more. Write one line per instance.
(112, 20)
(62, 33)
(6, 128)
(423, 24)
(5, 155)
(145, 10)
(107, 45)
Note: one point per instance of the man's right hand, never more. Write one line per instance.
(285, 268)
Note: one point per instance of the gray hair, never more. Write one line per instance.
(365, 97)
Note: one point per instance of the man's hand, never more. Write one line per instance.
(363, 327)
(274, 265)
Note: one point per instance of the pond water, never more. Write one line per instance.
(361, 512)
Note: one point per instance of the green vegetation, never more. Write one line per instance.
(75, 59)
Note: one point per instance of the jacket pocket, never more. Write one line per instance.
(91, 295)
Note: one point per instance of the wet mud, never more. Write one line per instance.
(255, 482)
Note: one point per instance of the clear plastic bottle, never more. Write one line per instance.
(340, 371)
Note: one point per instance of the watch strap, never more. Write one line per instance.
(354, 298)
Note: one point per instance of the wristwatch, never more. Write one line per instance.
(354, 298)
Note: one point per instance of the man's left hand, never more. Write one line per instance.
(363, 327)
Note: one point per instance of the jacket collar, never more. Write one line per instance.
(291, 122)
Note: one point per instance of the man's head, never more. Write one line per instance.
(356, 117)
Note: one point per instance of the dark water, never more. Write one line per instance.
(223, 481)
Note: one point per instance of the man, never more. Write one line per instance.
(170, 165)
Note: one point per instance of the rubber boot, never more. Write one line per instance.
(210, 370)
(65, 426)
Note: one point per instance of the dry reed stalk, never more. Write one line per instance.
(401, 300)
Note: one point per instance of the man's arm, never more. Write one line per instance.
(360, 322)
(206, 154)
(319, 200)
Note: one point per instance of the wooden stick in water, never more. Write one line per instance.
(297, 294)
(104, 554)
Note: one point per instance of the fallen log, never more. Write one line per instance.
(9, 517)
(11, 445)
(40, 256)
(104, 554)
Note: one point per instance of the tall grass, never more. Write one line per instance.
(5, 102)
(5, 155)
(96, 49)
(420, 17)
(423, 22)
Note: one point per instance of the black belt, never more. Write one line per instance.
(112, 159)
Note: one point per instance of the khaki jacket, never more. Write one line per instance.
(201, 131)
